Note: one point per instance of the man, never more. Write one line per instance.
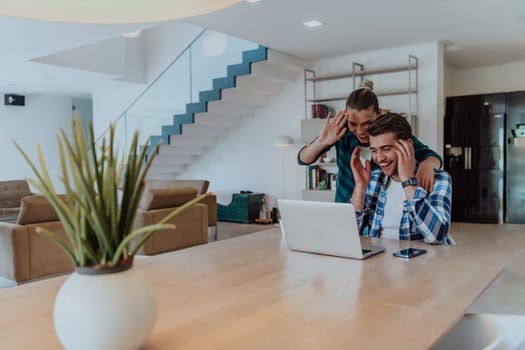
(389, 201)
(348, 131)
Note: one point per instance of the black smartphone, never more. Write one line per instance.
(409, 253)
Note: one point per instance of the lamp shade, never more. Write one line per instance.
(283, 141)
(110, 11)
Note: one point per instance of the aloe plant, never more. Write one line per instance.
(98, 224)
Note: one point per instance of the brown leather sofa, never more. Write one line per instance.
(201, 186)
(11, 194)
(26, 255)
(191, 225)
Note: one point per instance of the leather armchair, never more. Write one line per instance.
(191, 225)
(201, 186)
(26, 255)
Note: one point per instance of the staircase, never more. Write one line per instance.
(248, 85)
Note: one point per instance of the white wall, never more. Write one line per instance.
(36, 122)
(500, 78)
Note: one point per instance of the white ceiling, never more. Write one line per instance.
(486, 31)
(481, 32)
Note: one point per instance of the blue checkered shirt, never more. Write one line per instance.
(426, 216)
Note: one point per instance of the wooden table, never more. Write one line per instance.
(252, 293)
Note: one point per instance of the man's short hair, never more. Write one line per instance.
(391, 122)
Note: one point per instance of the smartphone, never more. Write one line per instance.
(409, 253)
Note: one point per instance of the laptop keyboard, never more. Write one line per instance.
(365, 251)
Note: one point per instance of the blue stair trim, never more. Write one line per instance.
(227, 82)
(152, 142)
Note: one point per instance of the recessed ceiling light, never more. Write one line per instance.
(132, 34)
(252, 1)
(313, 24)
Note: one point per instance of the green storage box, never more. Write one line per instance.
(244, 207)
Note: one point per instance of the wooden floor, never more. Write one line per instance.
(232, 229)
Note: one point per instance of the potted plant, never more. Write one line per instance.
(105, 303)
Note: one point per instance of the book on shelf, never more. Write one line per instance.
(320, 111)
(320, 179)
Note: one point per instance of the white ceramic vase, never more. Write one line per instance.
(105, 311)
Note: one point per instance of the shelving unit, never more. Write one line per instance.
(310, 128)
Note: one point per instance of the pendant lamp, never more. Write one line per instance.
(110, 11)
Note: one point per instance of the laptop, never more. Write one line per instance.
(323, 228)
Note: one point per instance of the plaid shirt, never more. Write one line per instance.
(426, 216)
(345, 178)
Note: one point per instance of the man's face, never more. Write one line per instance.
(383, 152)
(359, 121)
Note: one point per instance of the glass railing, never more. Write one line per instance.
(192, 71)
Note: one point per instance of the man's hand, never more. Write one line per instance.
(361, 173)
(425, 173)
(361, 179)
(406, 159)
(333, 129)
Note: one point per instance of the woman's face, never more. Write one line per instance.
(359, 121)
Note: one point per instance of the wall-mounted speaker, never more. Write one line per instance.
(14, 100)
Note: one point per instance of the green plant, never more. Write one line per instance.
(99, 226)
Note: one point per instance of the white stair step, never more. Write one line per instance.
(258, 85)
(245, 97)
(185, 140)
(217, 120)
(164, 167)
(203, 131)
(273, 72)
(175, 159)
(229, 108)
(167, 160)
(181, 150)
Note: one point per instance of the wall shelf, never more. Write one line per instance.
(363, 73)
(378, 94)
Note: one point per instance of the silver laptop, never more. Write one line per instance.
(323, 228)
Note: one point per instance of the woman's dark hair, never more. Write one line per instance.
(391, 122)
(363, 98)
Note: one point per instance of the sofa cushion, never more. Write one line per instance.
(35, 209)
(157, 198)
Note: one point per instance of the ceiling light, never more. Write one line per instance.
(313, 24)
(110, 12)
(132, 34)
(252, 1)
